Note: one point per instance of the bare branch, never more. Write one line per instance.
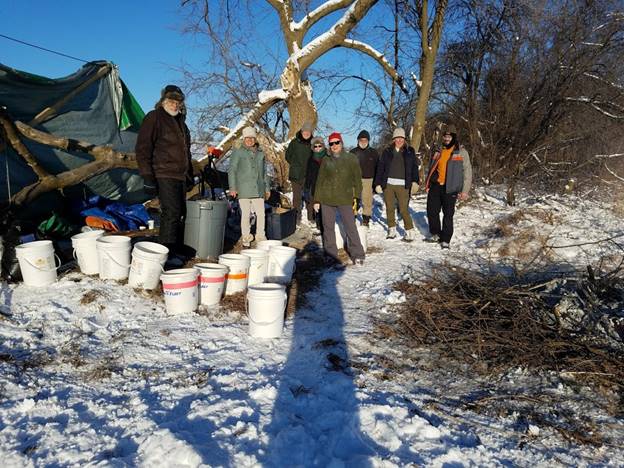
(379, 57)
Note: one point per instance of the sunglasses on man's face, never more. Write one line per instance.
(333, 143)
(318, 146)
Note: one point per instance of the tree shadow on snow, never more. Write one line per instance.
(315, 417)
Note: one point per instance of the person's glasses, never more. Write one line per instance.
(318, 146)
(334, 143)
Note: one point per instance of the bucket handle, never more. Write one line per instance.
(262, 324)
(115, 261)
(56, 257)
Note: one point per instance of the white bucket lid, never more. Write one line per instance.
(234, 259)
(255, 253)
(34, 245)
(114, 240)
(151, 248)
(88, 235)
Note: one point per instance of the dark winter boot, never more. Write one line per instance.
(365, 220)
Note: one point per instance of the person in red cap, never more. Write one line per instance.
(339, 182)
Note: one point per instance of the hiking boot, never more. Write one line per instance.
(365, 220)
(391, 233)
(445, 245)
(331, 262)
(432, 239)
(410, 235)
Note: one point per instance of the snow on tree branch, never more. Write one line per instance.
(335, 35)
(266, 99)
(416, 80)
(613, 173)
(597, 105)
(318, 13)
(379, 57)
(609, 156)
(602, 80)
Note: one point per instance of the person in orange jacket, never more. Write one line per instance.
(448, 179)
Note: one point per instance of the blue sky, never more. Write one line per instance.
(144, 39)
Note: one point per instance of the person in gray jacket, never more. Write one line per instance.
(249, 182)
(448, 179)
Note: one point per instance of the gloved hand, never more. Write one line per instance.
(267, 195)
(150, 186)
(317, 207)
(357, 205)
(190, 182)
(378, 189)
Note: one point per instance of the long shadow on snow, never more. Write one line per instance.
(315, 417)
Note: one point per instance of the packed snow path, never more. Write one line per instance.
(92, 373)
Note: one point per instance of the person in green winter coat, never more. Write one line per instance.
(298, 153)
(338, 185)
(249, 182)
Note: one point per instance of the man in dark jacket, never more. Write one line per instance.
(163, 153)
(448, 179)
(368, 158)
(397, 176)
(297, 155)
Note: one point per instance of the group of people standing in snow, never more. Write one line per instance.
(331, 180)
(328, 180)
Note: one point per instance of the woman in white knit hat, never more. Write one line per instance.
(249, 182)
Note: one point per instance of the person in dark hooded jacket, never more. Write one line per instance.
(298, 153)
(319, 152)
(368, 158)
(163, 154)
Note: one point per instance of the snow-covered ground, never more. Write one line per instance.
(94, 374)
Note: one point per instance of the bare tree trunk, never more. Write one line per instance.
(430, 42)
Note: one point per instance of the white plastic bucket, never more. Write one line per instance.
(211, 282)
(37, 262)
(85, 251)
(148, 261)
(113, 257)
(259, 264)
(267, 244)
(266, 304)
(180, 290)
(236, 279)
(281, 264)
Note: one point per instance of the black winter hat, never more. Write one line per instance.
(172, 92)
(364, 134)
(449, 130)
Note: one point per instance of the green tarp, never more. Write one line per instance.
(103, 113)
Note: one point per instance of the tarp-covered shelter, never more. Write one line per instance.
(93, 105)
